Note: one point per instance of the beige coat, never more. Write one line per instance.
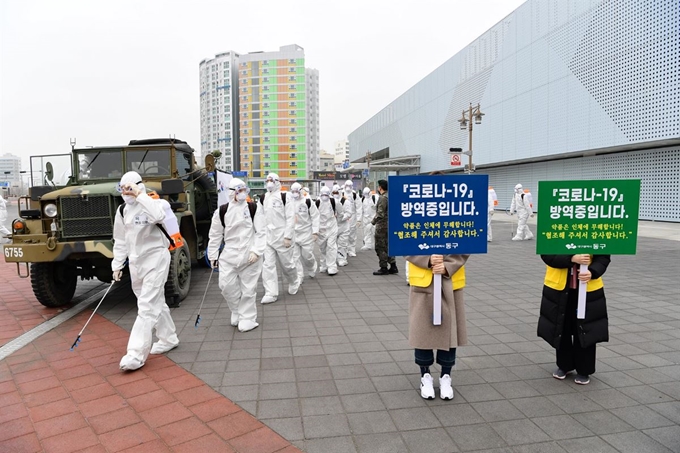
(452, 332)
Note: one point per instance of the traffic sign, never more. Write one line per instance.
(365, 173)
(455, 160)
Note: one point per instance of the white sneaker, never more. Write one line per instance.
(162, 348)
(312, 274)
(426, 387)
(342, 263)
(129, 363)
(517, 238)
(445, 389)
(268, 299)
(322, 270)
(234, 319)
(363, 249)
(246, 325)
(332, 272)
(293, 289)
(351, 254)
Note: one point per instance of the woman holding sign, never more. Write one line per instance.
(423, 334)
(574, 339)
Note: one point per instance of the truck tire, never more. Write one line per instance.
(54, 284)
(179, 277)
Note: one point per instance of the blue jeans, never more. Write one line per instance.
(425, 357)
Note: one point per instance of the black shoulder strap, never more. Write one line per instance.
(309, 203)
(333, 204)
(342, 201)
(252, 207)
(355, 195)
(223, 211)
(121, 209)
(317, 202)
(262, 198)
(283, 197)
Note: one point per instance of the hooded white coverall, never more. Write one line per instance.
(242, 235)
(491, 208)
(350, 195)
(368, 213)
(328, 234)
(521, 204)
(280, 230)
(306, 226)
(343, 210)
(3, 218)
(137, 238)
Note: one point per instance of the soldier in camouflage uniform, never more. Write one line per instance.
(380, 222)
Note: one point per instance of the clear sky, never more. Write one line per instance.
(108, 71)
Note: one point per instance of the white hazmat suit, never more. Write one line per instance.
(368, 202)
(343, 211)
(244, 236)
(328, 232)
(351, 195)
(138, 239)
(280, 229)
(3, 218)
(492, 202)
(306, 222)
(521, 205)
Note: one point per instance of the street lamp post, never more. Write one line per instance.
(368, 165)
(466, 123)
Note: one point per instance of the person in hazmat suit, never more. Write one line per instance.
(351, 195)
(343, 209)
(306, 216)
(243, 231)
(368, 202)
(138, 239)
(305, 193)
(492, 202)
(522, 205)
(3, 218)
(280, 230)
(328, 232)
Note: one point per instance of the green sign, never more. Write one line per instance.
(594, 217)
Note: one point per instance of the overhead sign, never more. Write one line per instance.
(588, 217)
(365, 173)
(239, 174)
(437, 214)
(455, 160)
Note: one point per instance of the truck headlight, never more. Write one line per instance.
(50, 210)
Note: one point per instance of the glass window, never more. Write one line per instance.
(104, 164)
(183, 162)
(149, 162)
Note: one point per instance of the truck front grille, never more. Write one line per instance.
(86, 216)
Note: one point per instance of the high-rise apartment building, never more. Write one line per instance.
(261, 110)
(341, 151)
(219, 109)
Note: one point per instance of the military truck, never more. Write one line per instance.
(65, 232)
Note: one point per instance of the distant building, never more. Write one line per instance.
(219, 109)
(10, 176)
(326, 162)
(341, 151)
(261, 110)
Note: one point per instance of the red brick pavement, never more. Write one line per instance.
(57, 400)
(19, 309)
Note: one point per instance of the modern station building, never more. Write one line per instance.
(569, 90)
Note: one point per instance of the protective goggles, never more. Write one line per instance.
(120, 187)
(240, 188)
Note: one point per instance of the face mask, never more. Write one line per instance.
(129, 199)
(270, 185)
(337, 196)
(324, 197)
(241, 196)
(295, 195)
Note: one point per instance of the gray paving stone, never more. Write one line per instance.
(281, 408)
(371, 422)
(641, 417)
(514, 389)
(538, 406)
(342, 444)
(429, 440)
(478, 392)
(414, 418)
(517, 432)
(494, 411)
(603, 422)
(634, 442)
(476, 437)
(325, 426)
(317, 388)
(587, 445)
(562, 427)
(668, 436)
(380, 443)
(351, 386)
(669, 410)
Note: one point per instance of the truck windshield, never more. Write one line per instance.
(149, 162)
(100, 164)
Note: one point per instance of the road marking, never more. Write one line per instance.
(48, 325)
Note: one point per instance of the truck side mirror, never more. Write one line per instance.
(49, 172)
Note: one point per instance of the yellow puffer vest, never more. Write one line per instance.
(557, 280)
(422, 278)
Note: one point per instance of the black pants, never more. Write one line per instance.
(425, 357)
(570, 355)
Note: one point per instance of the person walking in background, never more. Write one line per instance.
(138, 239)
(328, 232)
(343, 210)
(240, 226)
(380, 222)
(522, 205)
(280, 229)
(574, 339)
(306, 222)
(351, 196)
(423, 335)
(368, 202)
(493, 201)
(3, 218)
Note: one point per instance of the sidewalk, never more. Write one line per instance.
(330, 369)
